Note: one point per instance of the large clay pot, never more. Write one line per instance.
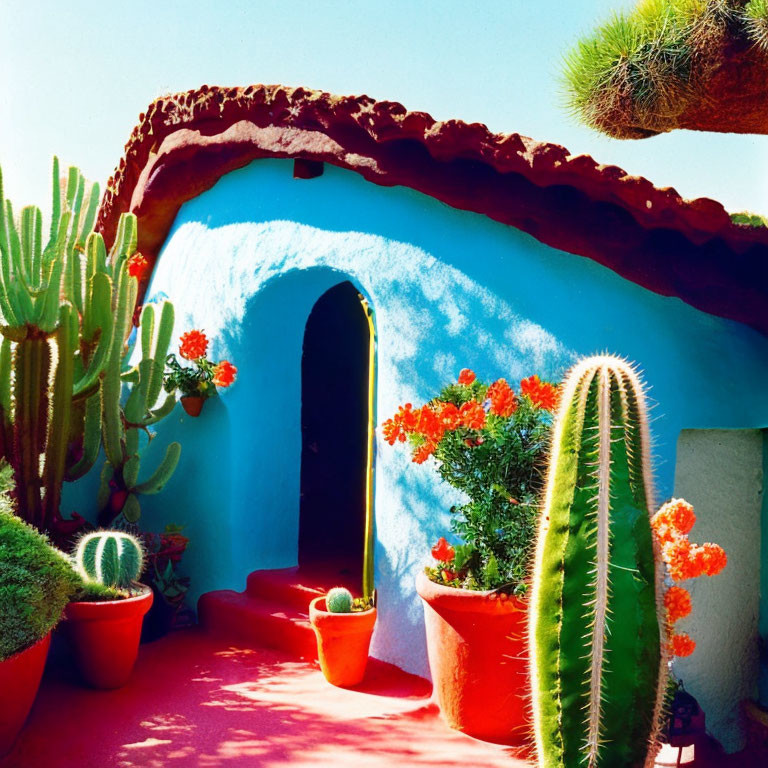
(343, 640)
(19, 680)
(478, 660)
(106, 637)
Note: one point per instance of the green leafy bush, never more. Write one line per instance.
(36, 579)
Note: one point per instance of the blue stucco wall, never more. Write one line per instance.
(246, 261)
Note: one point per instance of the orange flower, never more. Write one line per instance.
(503, 402)
(194, 345)
(681, 645)
(679, 555)
(138, 266)
(423, 452)
(540, 393)
(449, 415)
(677, 601)
(401, 424)
(224, 374)
(714, 559)
(466, 377)
(472, 415)
(429, 425)
(676, 514)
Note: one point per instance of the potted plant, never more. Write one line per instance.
(169, 588)
(343, 627)
(198, 381)
(36, 581)
(105, 620)
(490, 443)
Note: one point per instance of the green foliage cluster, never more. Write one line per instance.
(36, 579)
(500, 468)
(748, 219)
(638, 70)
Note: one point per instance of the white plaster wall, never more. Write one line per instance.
(720, 472)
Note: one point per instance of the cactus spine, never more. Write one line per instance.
(598, 639)
(112, 558)
(339, 600)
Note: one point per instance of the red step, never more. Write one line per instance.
(274, 609)
(257, 622)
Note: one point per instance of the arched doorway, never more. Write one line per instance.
(334, 518)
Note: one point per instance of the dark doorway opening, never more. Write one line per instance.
(334, 428)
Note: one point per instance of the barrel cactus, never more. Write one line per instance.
(597, 634)
(112, 558)
(339, 600)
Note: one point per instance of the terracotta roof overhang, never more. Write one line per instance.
(651, 236)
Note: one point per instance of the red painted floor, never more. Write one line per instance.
(198, 701)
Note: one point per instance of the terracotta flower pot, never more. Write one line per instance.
(19, 680)
(343, 640)
(192, 404)
(478, 660)
(106, 637)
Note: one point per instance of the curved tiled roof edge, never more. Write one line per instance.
(652, 236)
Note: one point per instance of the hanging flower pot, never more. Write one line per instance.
(478, 660)
(19, 680)
(192, 404)
(343, 640)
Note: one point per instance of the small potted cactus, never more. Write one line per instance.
(105, 620)
(343, 627)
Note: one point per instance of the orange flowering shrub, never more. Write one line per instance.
(488, 442)
(684, 560)
(224, 374)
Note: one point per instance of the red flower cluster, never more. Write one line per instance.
(503, 401)
(194, 344)
(443, 551)
(224, 374)
(429, 423)
(684, 560)
(138, 266)
(540, 393)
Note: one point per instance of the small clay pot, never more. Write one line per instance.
(19, 680)
(192, 404)
(343, 640)
(105, 635)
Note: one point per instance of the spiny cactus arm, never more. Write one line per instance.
(132, 508)
(163, 473)
(58, 432)
(98, 319)
(160, 352)
(102, 495)
(55, 204)
(91, 439)
(160, 413)
(6, 435)
(125, 243)
(17, 253)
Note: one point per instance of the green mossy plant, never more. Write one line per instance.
(36, 579)
(636, 72)
(597, 633)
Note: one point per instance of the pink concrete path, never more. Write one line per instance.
(198, 701)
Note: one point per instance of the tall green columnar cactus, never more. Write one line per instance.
(597, 632)
(64, 306)
(123, 425)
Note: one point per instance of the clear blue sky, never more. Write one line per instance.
(75, 75)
